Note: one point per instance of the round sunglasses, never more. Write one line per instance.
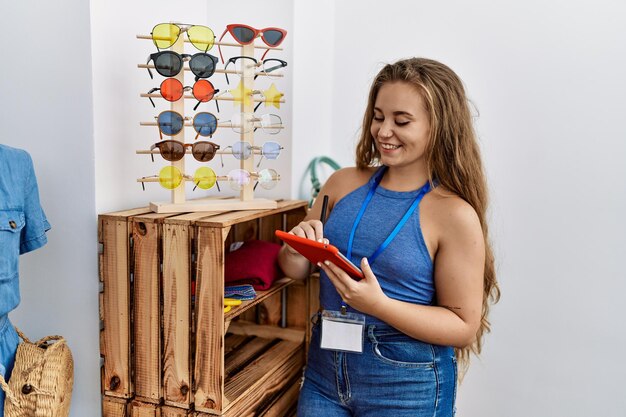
(170, 123)
(239, 178)
(164, 35)
(172, 89)
(169, 64)
(173, 150)
(171, 178)
(245, 122)
(243, 150)
(205, 178)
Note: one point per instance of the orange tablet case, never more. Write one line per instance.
(320, 252)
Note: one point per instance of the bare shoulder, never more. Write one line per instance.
(447, 218)
(346, 180)
(337, 186)
(452, 216)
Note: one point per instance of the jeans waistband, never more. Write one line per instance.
(380, 329)
(375, 330)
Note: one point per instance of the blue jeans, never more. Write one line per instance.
(8, 345)
(395, 375)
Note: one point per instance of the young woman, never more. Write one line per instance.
(412, 215)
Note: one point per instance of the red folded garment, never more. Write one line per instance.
(255, 263)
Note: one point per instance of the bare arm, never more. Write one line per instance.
(336, 187)
(459, 270)
(291, 262)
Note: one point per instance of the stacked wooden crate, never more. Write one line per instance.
(166, 353)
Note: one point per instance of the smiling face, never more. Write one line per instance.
(400, 126)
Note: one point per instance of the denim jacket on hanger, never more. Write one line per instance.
(23, 224)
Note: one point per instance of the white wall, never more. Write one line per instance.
(45, 108)
(118, 82)
(548, 81)
(313, 81)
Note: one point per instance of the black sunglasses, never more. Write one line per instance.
(169, 63)
(267, 65)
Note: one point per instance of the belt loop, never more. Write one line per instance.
(370, 332)
(315, 318)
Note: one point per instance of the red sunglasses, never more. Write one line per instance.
(245, 35)
(172, 89)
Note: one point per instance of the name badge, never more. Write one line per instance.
(342, 332)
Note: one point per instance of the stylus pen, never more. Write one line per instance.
(324, 208)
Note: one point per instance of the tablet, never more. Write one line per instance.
(320, 252)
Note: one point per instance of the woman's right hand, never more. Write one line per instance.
(309, 229)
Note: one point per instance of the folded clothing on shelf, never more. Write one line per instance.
(240, 292)
(255, 262)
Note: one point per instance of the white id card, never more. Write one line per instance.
(342, 331)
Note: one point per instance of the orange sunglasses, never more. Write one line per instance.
(172, 89)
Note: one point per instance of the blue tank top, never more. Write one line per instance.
(404, 269)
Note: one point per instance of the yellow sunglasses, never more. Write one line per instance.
(171, 178)
(164, 35)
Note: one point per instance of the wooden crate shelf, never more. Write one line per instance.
(166, 353)
(261, 296)
(260, 368)
(246, 328)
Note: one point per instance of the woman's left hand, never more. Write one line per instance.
(364, 295)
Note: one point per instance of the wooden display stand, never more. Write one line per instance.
(246, 199)
(166, 353)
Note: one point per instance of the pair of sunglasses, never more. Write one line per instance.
(169, 64)
(244, 150)
(170, 123)
(267, 178)
(245, 35)
(205, 178)
(173, 150)
(245, 122)
(164, 35)
(172, 89)
(271, 96)
(171, 178)
(267, 65)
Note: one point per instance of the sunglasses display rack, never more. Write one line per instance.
(246, 199)
(168, 346)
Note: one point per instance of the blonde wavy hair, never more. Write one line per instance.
(452, 156)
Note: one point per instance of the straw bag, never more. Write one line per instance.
(42, 379)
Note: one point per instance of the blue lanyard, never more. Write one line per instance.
(379, 175)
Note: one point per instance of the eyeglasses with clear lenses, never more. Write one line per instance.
(244, 150)
(268, 66)
(267, 178)
(246, 122)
